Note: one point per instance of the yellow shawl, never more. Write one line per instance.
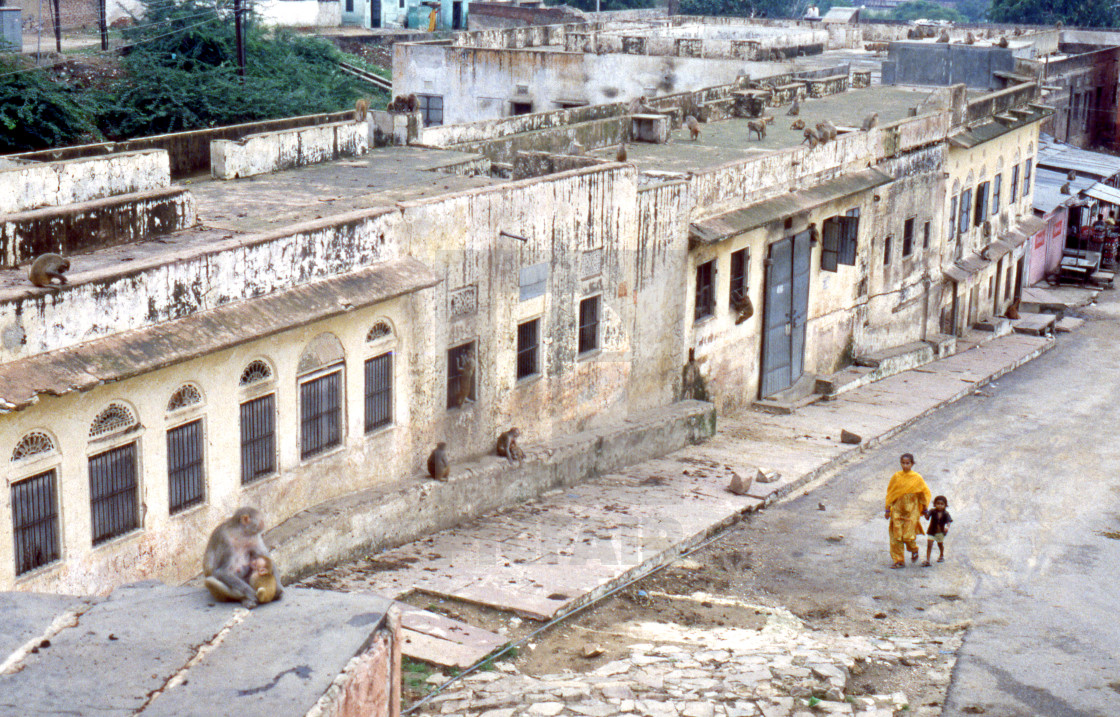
(906, 482)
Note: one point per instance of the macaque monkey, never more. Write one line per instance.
(507, 445)
(693, 127)
(1002, 42)
(263, 581)
(870, 122)
(798, 124)
(811, 137)
(227, 560)
(944, 36)
(970, 39)
(758, 127)
(438, 466)
(741, 304)
(466, 366)
(795, 108)
(361, 108)
(48, 267)
(620, 156)
(826, 131)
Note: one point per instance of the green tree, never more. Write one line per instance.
(1083, 13)
(743, 8)
(924, 10)
(974, 10)
(36, 112)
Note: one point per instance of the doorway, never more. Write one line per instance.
(786, 310)
(457, 15)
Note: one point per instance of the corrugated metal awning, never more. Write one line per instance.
(132, 353)
(1104, 193)
(724, 226)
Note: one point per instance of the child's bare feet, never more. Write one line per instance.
(925, 563)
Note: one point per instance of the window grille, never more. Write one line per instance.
(908, 237)
(455, 358)
(258, 438)
(114, 419)
(185, 395)
(35, 530)
(705, 293)
(33, 444)
(113, 493)
(255, 372)
(528, 341)
(737, 291)
(185, 471)
(379, 391)
(431, 109)
(320, 407)
(589, 324)
(379, 331)
(830, 244)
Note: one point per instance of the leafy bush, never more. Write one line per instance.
(36, 112)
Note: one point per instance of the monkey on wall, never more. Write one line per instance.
(263, 581)
(361, 109)
(693, 127)
(811, 137)
(227, 562)
(48, 267)
(438, 465)
(870, 122)
(620, 156)
(507, 445)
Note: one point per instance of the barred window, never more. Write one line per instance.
(379, 391)
(589, 324)
(258, 438)
(431, 109)
(185, 468)
(114, 493)
(33, 444)
(908, 237)
(459, 373)
(705, 290)
(320, 412)
(528, 344)
(738, 288)
(35, 532)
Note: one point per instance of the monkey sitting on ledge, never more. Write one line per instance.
(48, 267)
(507, 446)
(227, 562)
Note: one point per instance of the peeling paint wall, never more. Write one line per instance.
(285, 149)
(52, 184)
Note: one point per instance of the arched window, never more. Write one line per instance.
(258, 425)
(379, 376)
(320, 395)
(113, 475)
(186, 467)
(380, 330)
(185, 396)
(255, 372)
(35, 443)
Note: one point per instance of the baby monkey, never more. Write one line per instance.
(507, 445)
(262, 579)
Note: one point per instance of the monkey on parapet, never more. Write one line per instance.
(870, 122)
(361, 108)
(48, 267)
(970, 39)
(826, 131)
(1002, 42)
(438, 465)
(758, 127)
(227, 562)
(693, 127)
(620, 156)
(811, 137)
(263, 581)
(944, 36)
(507, 445)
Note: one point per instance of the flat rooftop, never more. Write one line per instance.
(727, 141)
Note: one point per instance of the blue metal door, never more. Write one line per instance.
(784, 313)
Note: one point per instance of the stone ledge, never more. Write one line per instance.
(368, 521)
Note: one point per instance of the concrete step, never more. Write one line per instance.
(996, 325)
(1034, 324)
(1067, 324)
(802, 393)
(888, 362)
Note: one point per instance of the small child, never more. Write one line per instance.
(939, 520)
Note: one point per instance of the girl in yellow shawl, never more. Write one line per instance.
(907, 498)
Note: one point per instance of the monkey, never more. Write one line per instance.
(693, 127)
(826, 130)
(944, 36)
(466, 366)
(438, 466)
(913, 34)
(811, 137)
(361, 107)
(1013, 311)
(1002, 42)
(768, 119)
(795, 108)
(507, 445)
(1071, 175)
(798, 124)
(263, 580)
(870, 122)
(1065, 189)
(48, 267)
(1017, 32)
(620, 156)
(227, 560)
(741, 304)
(970, 39)
(758, 127)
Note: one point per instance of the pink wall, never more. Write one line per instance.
(1047, 245)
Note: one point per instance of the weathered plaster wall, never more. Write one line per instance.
(52, 184)
(285, 149)
(300, 13)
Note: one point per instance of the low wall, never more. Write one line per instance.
(52, 184)
(447, 135)
(1001, 101)
(86, 226)
(300, 13)
(275, 151)
(363, 523)
(591, 135)
(188, 152)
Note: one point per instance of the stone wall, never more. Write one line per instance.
(286, 149)
(33, 185)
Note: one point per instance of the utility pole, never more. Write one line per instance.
(240, 43)
(102, 25)
(57, 27)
